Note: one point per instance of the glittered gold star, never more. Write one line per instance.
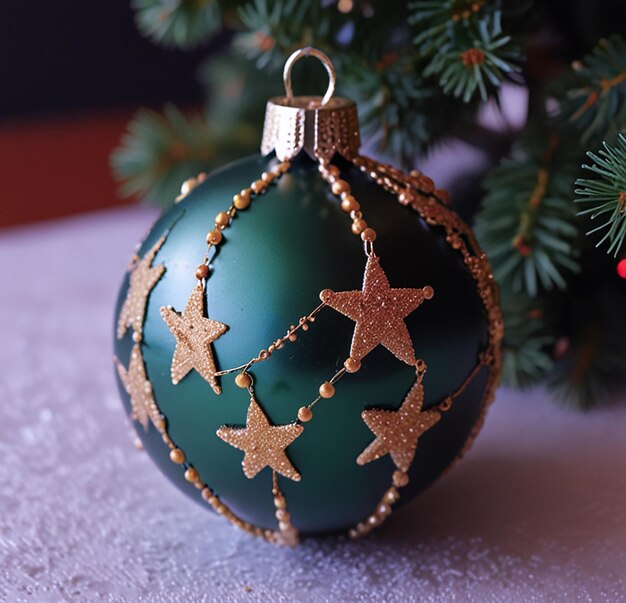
(194, 334)
(379, 312)
(138, 387)
(397, 431)
(143, 277)
(264, 444)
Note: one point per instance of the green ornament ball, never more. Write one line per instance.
(293, 242)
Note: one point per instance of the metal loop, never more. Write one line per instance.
(309, 51)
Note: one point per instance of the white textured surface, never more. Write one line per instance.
(536, 512)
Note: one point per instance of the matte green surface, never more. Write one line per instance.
(277, 256)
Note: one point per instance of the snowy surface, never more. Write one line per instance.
(536, 512)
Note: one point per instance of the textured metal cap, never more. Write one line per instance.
(322, 126)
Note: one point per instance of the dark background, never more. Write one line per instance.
(72, 74)
(59, 56)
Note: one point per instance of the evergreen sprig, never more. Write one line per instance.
(181, 23)
(527, 224)
(159, 152)
(439, 21)
(278, 28)
(597, 104)
(605, 196)
(400, 113)
(466, 46)
(527, 345)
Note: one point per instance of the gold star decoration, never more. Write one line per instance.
(138, 387)
(379, 312)
(397, 431)
(143, 277)
(194, 335)
(264, 444)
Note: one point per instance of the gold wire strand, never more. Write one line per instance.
(338, 375)
(265, 354)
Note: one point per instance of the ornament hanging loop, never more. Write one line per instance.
(309, 51)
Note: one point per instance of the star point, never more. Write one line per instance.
(194, 335)
(379, 312)
(398, 431)
(263, 444)
(143, 277)
(138, 387)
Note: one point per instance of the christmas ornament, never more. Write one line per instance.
(363, 401)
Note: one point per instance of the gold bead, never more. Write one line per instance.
(283, 515)
(278, 169)
(222, 219)
(400, 479)
(192, 475)
(293, 337)
(428, 292)
(177, 456)
(136, 337)
(258, 186)
(188, 186)
(332, 170)
(352, 365)
(369, 234)
(206, 494)
(243, 380)
(327, 390)
(325, 294)
(339, 187)
(214, 237)
(242, 200)
(305, 414)
(202, 271)
(267, 177)
(358, 226)
(279, 502)
(392, 495)
(349, 204)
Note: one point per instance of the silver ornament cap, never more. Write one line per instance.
(319, 125)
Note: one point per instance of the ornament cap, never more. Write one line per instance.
(322, 126)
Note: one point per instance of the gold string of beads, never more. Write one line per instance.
(240, 202)
(341, 188)
(278, 344)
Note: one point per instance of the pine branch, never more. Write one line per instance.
(279, 27)
(597, 105)
(401, 115)
(438, 21)
(527, 341)
(234, 89)
(467, 48)
(181, 23)
(527, 224)
(159, 152)
(605, 196)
